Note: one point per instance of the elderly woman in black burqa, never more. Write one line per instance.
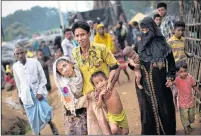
(157, 68)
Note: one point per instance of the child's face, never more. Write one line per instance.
(157, 20)
(40, 54)
(65, 69)
(58, 53)
(179, 31)
(99, 82)
(182, 73)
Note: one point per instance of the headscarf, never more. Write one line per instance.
(106, 39)
(153, 44)
(70, 89)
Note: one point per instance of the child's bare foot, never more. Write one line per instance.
(190, 129)
(140, 87)
(186, 131)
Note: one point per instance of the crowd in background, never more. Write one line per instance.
(144, 46)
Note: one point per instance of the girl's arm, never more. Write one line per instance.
(197, 90)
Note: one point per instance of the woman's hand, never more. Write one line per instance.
(136, 60)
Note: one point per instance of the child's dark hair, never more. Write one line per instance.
(39, 50)
(162, 4)
(97, 74)
(179, 24)
(181, 64)
(81, 24)
(155, 16)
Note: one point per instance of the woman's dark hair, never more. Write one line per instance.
(179, 24)
(181, 64)
(155, 16)
(81, 24)
(162, 4)
(67, 30)
(97, 74)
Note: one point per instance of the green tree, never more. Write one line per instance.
(14, 30)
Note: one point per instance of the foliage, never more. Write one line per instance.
(36, 19)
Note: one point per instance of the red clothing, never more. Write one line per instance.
(185, 95)
(9, 79)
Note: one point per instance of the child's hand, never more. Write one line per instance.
(169, 83)
(89, 96)
(103, 92)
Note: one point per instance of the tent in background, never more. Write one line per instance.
(138, 17)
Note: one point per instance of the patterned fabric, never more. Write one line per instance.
(177, 46)
(75, 125)
(38, 114)
(70, 89)
(120, 119)
(185, 95)
(167, 25)
(187, 116)
(99, 59)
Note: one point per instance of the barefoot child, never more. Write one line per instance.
(131, 54)
(185, 84)
(116, 115)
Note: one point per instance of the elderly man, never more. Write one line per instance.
(90, 58)
(167, 23)
(30, 81)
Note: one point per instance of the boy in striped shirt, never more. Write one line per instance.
(176, 42)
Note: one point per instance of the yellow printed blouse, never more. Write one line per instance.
(99, 59)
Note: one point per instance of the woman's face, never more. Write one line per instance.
(144, 30)
(101, 31)
(65, 69)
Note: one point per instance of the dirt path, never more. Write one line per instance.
(130, 103)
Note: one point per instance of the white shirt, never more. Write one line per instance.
(67, 47)
(29, 77)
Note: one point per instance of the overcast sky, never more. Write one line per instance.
(9, 7)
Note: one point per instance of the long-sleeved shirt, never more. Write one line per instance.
(29, 76)
(167, 25)
(67, 47)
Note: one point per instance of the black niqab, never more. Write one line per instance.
(153, 44)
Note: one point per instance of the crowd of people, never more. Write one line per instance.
(86, 66)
